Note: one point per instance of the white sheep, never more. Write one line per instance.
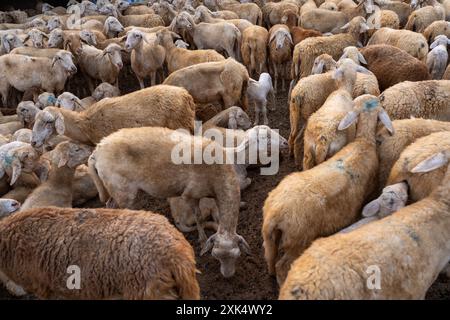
(26, 113)
(437, 57)
(7, 207)
(16, 158)
(257, 93)
(69, 101)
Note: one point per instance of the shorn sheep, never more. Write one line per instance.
(421, 99)
(337, 267)
(305, 205)
(120, 157)
(257, 93)
(280, 52)
(57, 190)
(254, 49)
(167, 106)
(437, 58)
(103, 244)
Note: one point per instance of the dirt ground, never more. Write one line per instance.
(251, 280)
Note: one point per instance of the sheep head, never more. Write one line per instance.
(122, 5)
(48, 123)
(26, 112)
(65, 60)
(89, 37)
(226, 247)
(114, 53)
(280, 36)
(262, 138)
(440, 40)
(392, 199)
(56, 38)
(238, 119)
(20, 157)
(113, 25)
(8, 206)
(133, 39)
(70, 154)
(11, 41)
(184, 21)
(45, 99)
(53, 23)
(108, 10)
(181, 44)
(323, 63)
(353, 53)
(69, 101)
(37, 37)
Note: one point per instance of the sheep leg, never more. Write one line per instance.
(257, 111)
(194, 204)
(264, 112)
(298, 148)
(153, 81)
(141, 82)
(275, 73)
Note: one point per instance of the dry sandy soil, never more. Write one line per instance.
(251, 280)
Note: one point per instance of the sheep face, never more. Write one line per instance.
(227, 249)
(53, 23)
(38, 23)
(184, 21)
(69, 101)
(45, 99)
(122, 5)
(71, 154)
(37, 37)
(88, 37)
(134, 37)
(47, 123)
(88, 5)
(47, 7)
(8, 206)
(25, 159)
(65, 60)
(108, 10)
(263, 138)
(113, 25)
(181, 44)
(392, 199)
(282, 38)
(11, 41)
(239, 120)
(26, 112)
(55, 38)
(114, 53)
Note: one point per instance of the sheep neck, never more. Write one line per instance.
(74, 128)
(442, 193)
(61, 177)
(228, 197)
(366, 127)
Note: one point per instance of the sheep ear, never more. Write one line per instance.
(348, 120)
(338, 74)
(6, 46)
(434, 44)
(63, 159)
(59, 124)
(232, 123)
(361, 69)
(320, 66)
(208, 245)
(431, 163)
(371, 209)
(345, 26)
(243, 244)
(16, 170)
(386, 121)
(361, 58)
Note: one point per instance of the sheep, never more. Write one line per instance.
(25, 73)
(248, 11)
(37, 37)
(423, 17)
(257, 92)
(280, 52)
(147, 57)
(178, 58)
(16, 158)
(392, 65)
(45, 99)
(156, 106)
(437, 57)
(290, 226)
(112, 27)
(203, 34)
(420, 185)
(165, 11)
(392, 199)
(26, 113)
(322, 139)
(402, 9)
(57, 190)
(274, 12)
(9, 42)
(435, 29)
(103, 65)
(254, 49)
(406, 132)
(224, 82)
(202, 14)
(299, 34)
(446, 75)
(8, 206)
(22, 135)
(10, 127)
(69, 101)
(422, 99)
(36, 52)
(166, 260)
(184, 217)
(138, 20)
(232, 118)
(413, 43)
(383, 19)
(157, 145)
(382, 244)
(309, 49)
(181, 44)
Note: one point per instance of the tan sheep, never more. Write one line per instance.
(409, 248)
(413, 43)
(421, 99)
(402, 9)
(232, 118)
(421, 18)
(156, 146)
(305, 205)
(147, 56)
(166, 260)
(254, 49)
(184, 218)
(224, 82)
(162, 105)
(179, 58)
(446, 75)
(406, 132)
(202, 14)
(420, 185)
(248, 11)
(435, 29)
(57, 190)
(280, 53)
(84, 188)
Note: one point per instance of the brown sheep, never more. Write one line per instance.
(222, 81)
(103, 244)
(392, 65)
(161, 105)
(254, 49)
(280, 53)
(299, 34)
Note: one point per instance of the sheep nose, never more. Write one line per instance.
(73, 69)
(15, 204)
(33, 143)
(120, 65)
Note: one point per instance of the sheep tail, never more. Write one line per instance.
(244, 100)
(411, 22)
(102, 192)
(237, 44)
(186, 280)
(259, 20)
(271, 244)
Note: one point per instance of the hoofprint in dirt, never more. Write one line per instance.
(251, 280)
